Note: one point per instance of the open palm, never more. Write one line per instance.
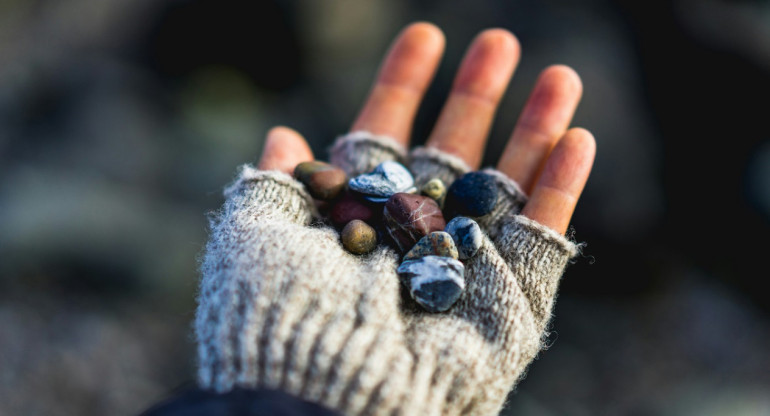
(550, 161)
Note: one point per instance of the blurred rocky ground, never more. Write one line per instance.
(120, 121)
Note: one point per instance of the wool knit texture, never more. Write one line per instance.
(283, 305)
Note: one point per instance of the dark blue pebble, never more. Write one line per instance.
(376, 199)
(473, 194)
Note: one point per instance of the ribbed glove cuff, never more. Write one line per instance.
(427, 163)
(255, 189)
(360, 152)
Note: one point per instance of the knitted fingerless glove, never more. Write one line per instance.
(282, 304)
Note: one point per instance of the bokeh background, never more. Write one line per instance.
(121, 120)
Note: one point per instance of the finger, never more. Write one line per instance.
(403, 78)
(466, 118)
(564, 175)
(284, 150)
(545, 118)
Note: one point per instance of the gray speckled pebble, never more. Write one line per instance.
(434, 282)
(385, 180)
(466, 234)
(437, 243)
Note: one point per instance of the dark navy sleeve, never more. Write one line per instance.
(239, 402)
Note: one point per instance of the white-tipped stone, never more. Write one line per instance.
(385, 180)
(434, 282)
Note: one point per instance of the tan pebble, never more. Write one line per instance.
(359, 237)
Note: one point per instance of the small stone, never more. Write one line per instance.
(376, 199)
(436, 190)
(358, 237)
(409, 217)
(349, 208)
(437, 243)
(473, 194)
(467, 236)
(322, 180)
(434, 282)
(385, 180)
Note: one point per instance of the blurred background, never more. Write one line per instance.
(120, 121)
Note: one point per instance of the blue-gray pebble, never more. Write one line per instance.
(467, 236)
(385, 180)
(377, 199)
(473, 194)
(434, 282)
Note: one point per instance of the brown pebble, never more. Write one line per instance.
(322, 180)
(358, 237)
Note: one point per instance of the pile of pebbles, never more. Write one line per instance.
(384, 206)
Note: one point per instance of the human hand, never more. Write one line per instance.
(549, 162)
(283, 305)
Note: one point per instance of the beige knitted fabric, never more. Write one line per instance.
(283, 305)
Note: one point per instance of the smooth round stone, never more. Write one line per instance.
(385, 180)
(349, 208)
(410, 217)
(434, 282)
(322, 180)
(467, 236)
(435, 189)
(437, 243)
(473, 194)
(358, 237)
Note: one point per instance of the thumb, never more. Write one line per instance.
(284, 149)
